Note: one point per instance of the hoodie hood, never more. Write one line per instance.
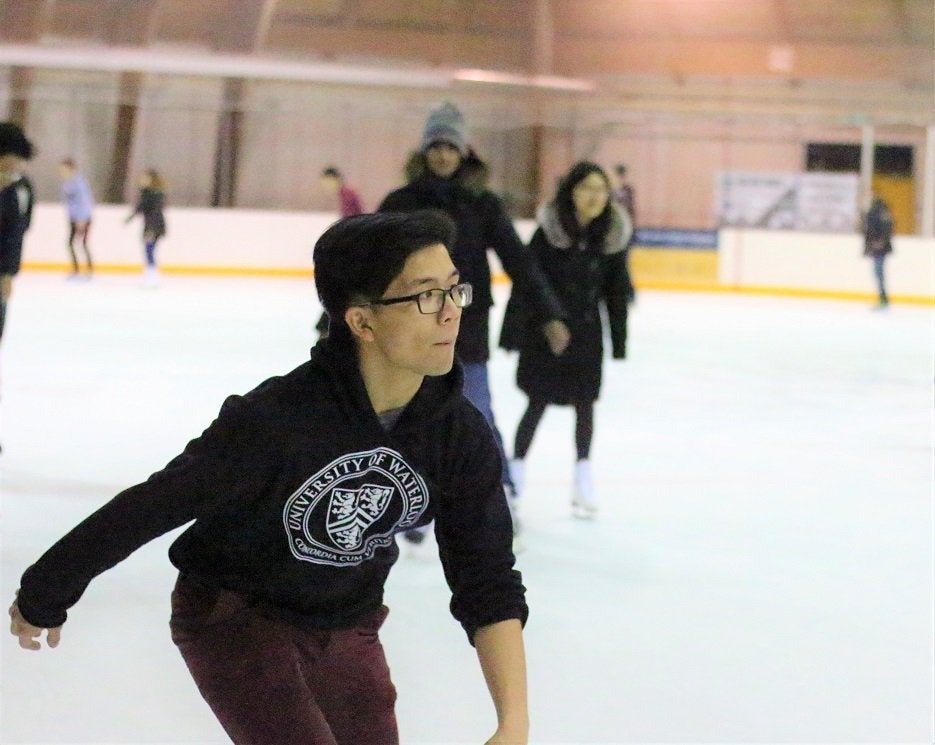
(616, 240)
(336, 358)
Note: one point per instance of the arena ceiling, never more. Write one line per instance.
(870, 55)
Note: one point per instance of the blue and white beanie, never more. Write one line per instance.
(445, 124)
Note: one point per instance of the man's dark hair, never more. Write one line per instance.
(357, 257)
(14, 142)
(331, 172)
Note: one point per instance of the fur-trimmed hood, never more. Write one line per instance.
(473, 173)
(617, 238)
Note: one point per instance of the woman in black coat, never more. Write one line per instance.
(579, 246)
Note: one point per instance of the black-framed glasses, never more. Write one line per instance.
(432, 301)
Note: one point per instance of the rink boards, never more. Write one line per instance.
(279, 243)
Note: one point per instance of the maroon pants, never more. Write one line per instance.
(269, 682)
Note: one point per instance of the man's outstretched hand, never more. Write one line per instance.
(28, 634)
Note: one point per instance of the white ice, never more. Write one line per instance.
(761, 571)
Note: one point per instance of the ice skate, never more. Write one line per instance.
(150, 280)
(518, 476)
(584, 499)
(415, 543)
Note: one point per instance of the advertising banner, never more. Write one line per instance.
(819, 202)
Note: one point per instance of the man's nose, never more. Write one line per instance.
(449, 310)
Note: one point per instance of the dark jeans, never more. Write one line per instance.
(150, 248)
(82, 233)
(878, 261)
(477, 391)
(268, 681)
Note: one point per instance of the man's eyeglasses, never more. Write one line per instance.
(432, 301)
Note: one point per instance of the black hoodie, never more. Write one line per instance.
(297, 492)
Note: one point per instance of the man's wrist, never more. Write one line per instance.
(516, 722)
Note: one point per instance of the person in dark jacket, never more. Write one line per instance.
(579, 245)
(16, 203)
(625, 195)
(297, 491)
(878, 243)
(447, 175)
(151, 205)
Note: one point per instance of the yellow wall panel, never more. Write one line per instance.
(673, 267)
(899, 193)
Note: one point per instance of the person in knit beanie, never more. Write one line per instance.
(446, 124)
(446, 174)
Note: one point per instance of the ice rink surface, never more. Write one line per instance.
(762, 569)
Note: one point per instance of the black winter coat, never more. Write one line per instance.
(585, 276)
(482, 223)
(878, 230)
(150, 205)
(16, 203)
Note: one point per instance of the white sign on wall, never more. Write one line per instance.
(824, 202)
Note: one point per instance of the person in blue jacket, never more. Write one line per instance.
(79, 204)
(295, 495)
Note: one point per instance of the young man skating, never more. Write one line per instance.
(295, 495)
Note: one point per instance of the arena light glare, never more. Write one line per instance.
(186, 62)
(546, 82)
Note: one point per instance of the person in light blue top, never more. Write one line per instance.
(79, 201)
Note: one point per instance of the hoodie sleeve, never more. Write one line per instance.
(189, 486)
(616, 289)
(475, 533)
(519, 263)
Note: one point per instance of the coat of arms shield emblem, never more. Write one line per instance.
(352, 511)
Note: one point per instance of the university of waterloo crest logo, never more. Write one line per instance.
(352, 511)
(353, 506)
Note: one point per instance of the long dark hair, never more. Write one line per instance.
(564, 202)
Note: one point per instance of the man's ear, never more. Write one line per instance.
(358, 321)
